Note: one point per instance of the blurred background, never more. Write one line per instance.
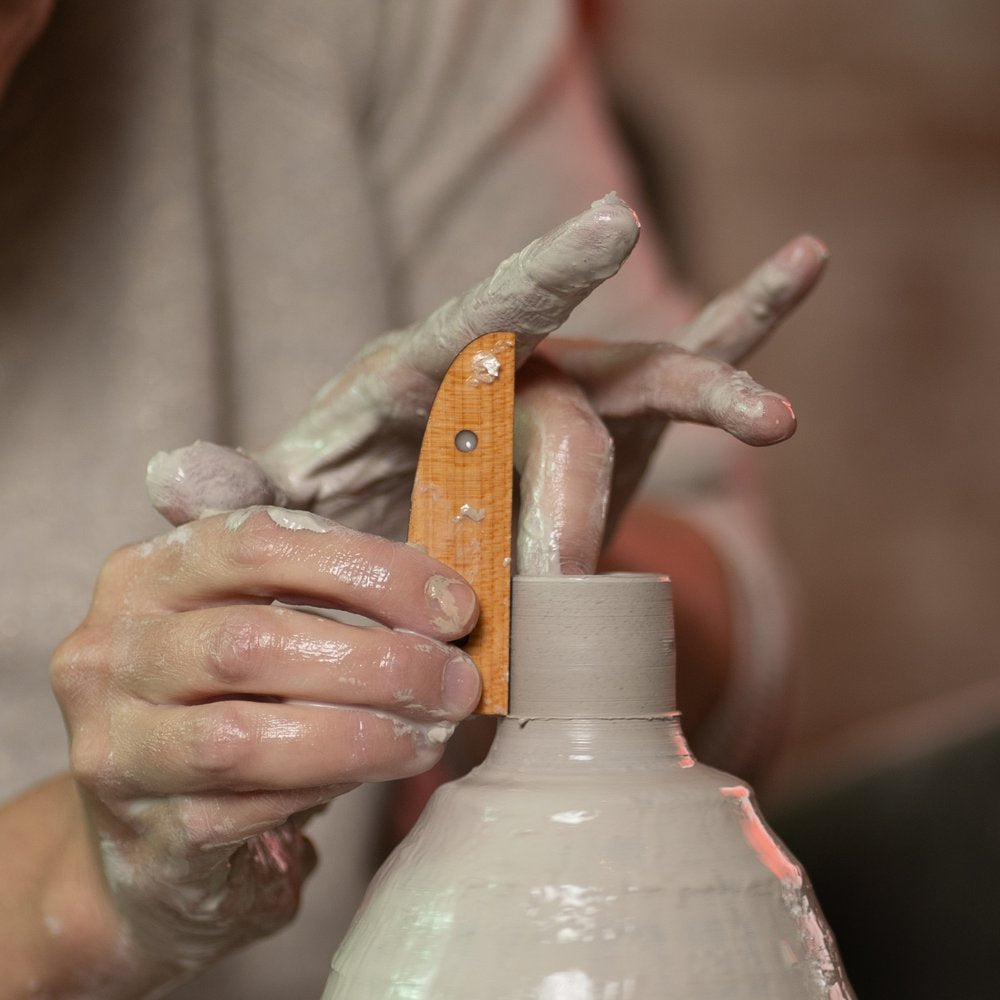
(877, 127)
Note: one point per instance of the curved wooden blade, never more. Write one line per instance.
(463, 494)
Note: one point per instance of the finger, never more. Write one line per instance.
(737, 322)
(239, 745)
(379, 406)
(218, 819)
(222, 820)
(532, 292)
(283, 654)
(563, 453)
(664, 382)
(264, 554)
(204, 479)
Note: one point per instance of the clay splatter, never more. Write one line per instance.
(485, 368)
(469, 512)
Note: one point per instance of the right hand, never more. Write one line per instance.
(353, 453)
(206, 722)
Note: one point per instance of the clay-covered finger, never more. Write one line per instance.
(738, 321)
(202, 479)
(563, 453)
(286, 654)
(245, 745)
(663, 382)
(269, 553)
(532, 292)
(354, 438)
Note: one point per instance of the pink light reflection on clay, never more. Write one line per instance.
(770, 852)
(684, 757)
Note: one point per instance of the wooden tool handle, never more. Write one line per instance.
(463, 495)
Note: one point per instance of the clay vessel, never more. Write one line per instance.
(590, 857)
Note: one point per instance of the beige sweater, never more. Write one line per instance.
(205, 210)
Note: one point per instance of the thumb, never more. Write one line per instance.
(203, 479)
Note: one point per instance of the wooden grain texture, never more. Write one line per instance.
(461, 505)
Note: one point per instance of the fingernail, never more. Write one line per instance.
(452, 604)
(460, 685)
(804, 253)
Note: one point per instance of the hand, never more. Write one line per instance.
(206, 723)
(590, 413)
(353, 454)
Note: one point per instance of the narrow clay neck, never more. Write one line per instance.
(592, 647)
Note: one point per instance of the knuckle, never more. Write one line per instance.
(765, 295)
(764, 311)
(250, 538)
(90, 759)
(237, 647)
(257, 534)
(220, 739)
(119, 570)
(79, 664)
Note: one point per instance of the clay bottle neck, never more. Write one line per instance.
(592, 647)
(592, 677)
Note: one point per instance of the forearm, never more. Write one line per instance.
(60, 936)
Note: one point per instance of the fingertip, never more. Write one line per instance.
(204, 478)
(821, 247)
(461, 686)
(614, 210)
(533, 291)
(586, 250)
(611, 229)
(452, 606)
(803, 259)
(774, 421)
(780, 418)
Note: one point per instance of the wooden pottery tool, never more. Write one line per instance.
(463, 496)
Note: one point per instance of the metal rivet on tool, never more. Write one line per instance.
(466, 440)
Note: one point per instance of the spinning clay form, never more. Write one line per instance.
(590, 857)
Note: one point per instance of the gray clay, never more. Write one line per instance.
(590, 857)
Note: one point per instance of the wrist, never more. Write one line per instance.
(81, 945)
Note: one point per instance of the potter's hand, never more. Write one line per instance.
(353, 454)
(206, 723)
(590, 413)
